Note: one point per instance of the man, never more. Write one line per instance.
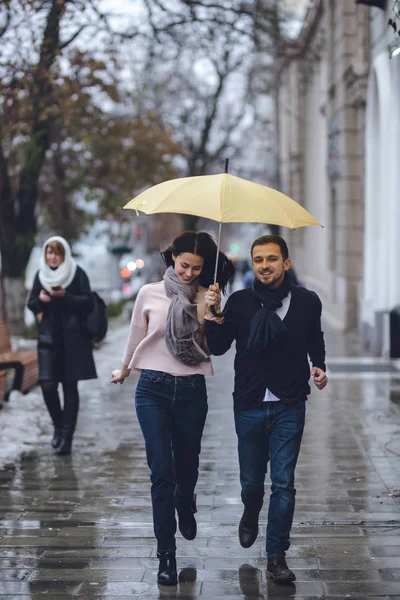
(275, 325)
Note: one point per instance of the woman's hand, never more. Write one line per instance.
(213, 298)
(59, 293)
(119, 375)
(116, 376)
(44, 297)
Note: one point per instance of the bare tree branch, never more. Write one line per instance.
(7, 21)
(73, 37)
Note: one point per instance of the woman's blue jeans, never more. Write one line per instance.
(171, 412)
(273, 433)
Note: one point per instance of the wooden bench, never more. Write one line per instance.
(23, 362)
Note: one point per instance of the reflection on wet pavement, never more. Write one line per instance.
(81, 526)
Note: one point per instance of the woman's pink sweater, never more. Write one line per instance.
(146, 347)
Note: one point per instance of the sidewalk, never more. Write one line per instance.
(81, 526)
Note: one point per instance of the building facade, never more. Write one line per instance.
(380, 290)
(323, 78)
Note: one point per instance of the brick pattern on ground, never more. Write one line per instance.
(81, 526)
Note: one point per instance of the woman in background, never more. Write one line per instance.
(61, 300)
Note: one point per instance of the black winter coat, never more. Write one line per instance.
(64, 345)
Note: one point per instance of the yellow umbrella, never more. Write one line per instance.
(223, 198)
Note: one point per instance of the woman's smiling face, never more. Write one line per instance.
(188, 266)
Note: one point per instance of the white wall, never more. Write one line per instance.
(381, 285)
(381, 282)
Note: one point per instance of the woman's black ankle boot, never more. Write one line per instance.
(167, 568)
(64, 448)
(66, 442)
(56, 441)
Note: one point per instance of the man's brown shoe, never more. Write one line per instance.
(248, 528)
(278, 570)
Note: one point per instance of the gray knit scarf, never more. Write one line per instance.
(184, 335)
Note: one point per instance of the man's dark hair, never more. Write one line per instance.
(271, 239)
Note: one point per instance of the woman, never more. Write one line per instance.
(166, 343)
(61, 301)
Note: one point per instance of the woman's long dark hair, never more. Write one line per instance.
(202, 244)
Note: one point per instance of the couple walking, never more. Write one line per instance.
(173, 332)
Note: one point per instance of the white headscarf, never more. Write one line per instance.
(64, 273)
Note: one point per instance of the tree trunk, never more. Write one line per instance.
(18, 229)
(43, 114)
(7, 232)
(13, 293)
(7, 219)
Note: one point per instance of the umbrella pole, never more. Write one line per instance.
(219, 231)
(216, 260)
(216, 311)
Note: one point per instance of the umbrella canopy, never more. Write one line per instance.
(223, 198)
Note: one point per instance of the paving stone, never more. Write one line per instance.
(390, 574)
(119, 587)
(132, 552)
(70, 574)
(18, 574)
(11, 589)
(340, 541)
(249, 588)
(384, 539)
(257, 562)
(52, 542)
(389, 550)
(366, 588)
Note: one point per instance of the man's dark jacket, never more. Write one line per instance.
(284, 368)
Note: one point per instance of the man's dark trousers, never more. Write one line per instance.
(273, 433)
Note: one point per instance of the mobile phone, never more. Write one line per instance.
(56, 287)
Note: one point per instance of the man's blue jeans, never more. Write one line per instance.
(273, 433)
(171, 412)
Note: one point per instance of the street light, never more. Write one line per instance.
(131, 265)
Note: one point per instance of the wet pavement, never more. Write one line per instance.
(81, 526)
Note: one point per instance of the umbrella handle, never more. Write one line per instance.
(217, 313)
